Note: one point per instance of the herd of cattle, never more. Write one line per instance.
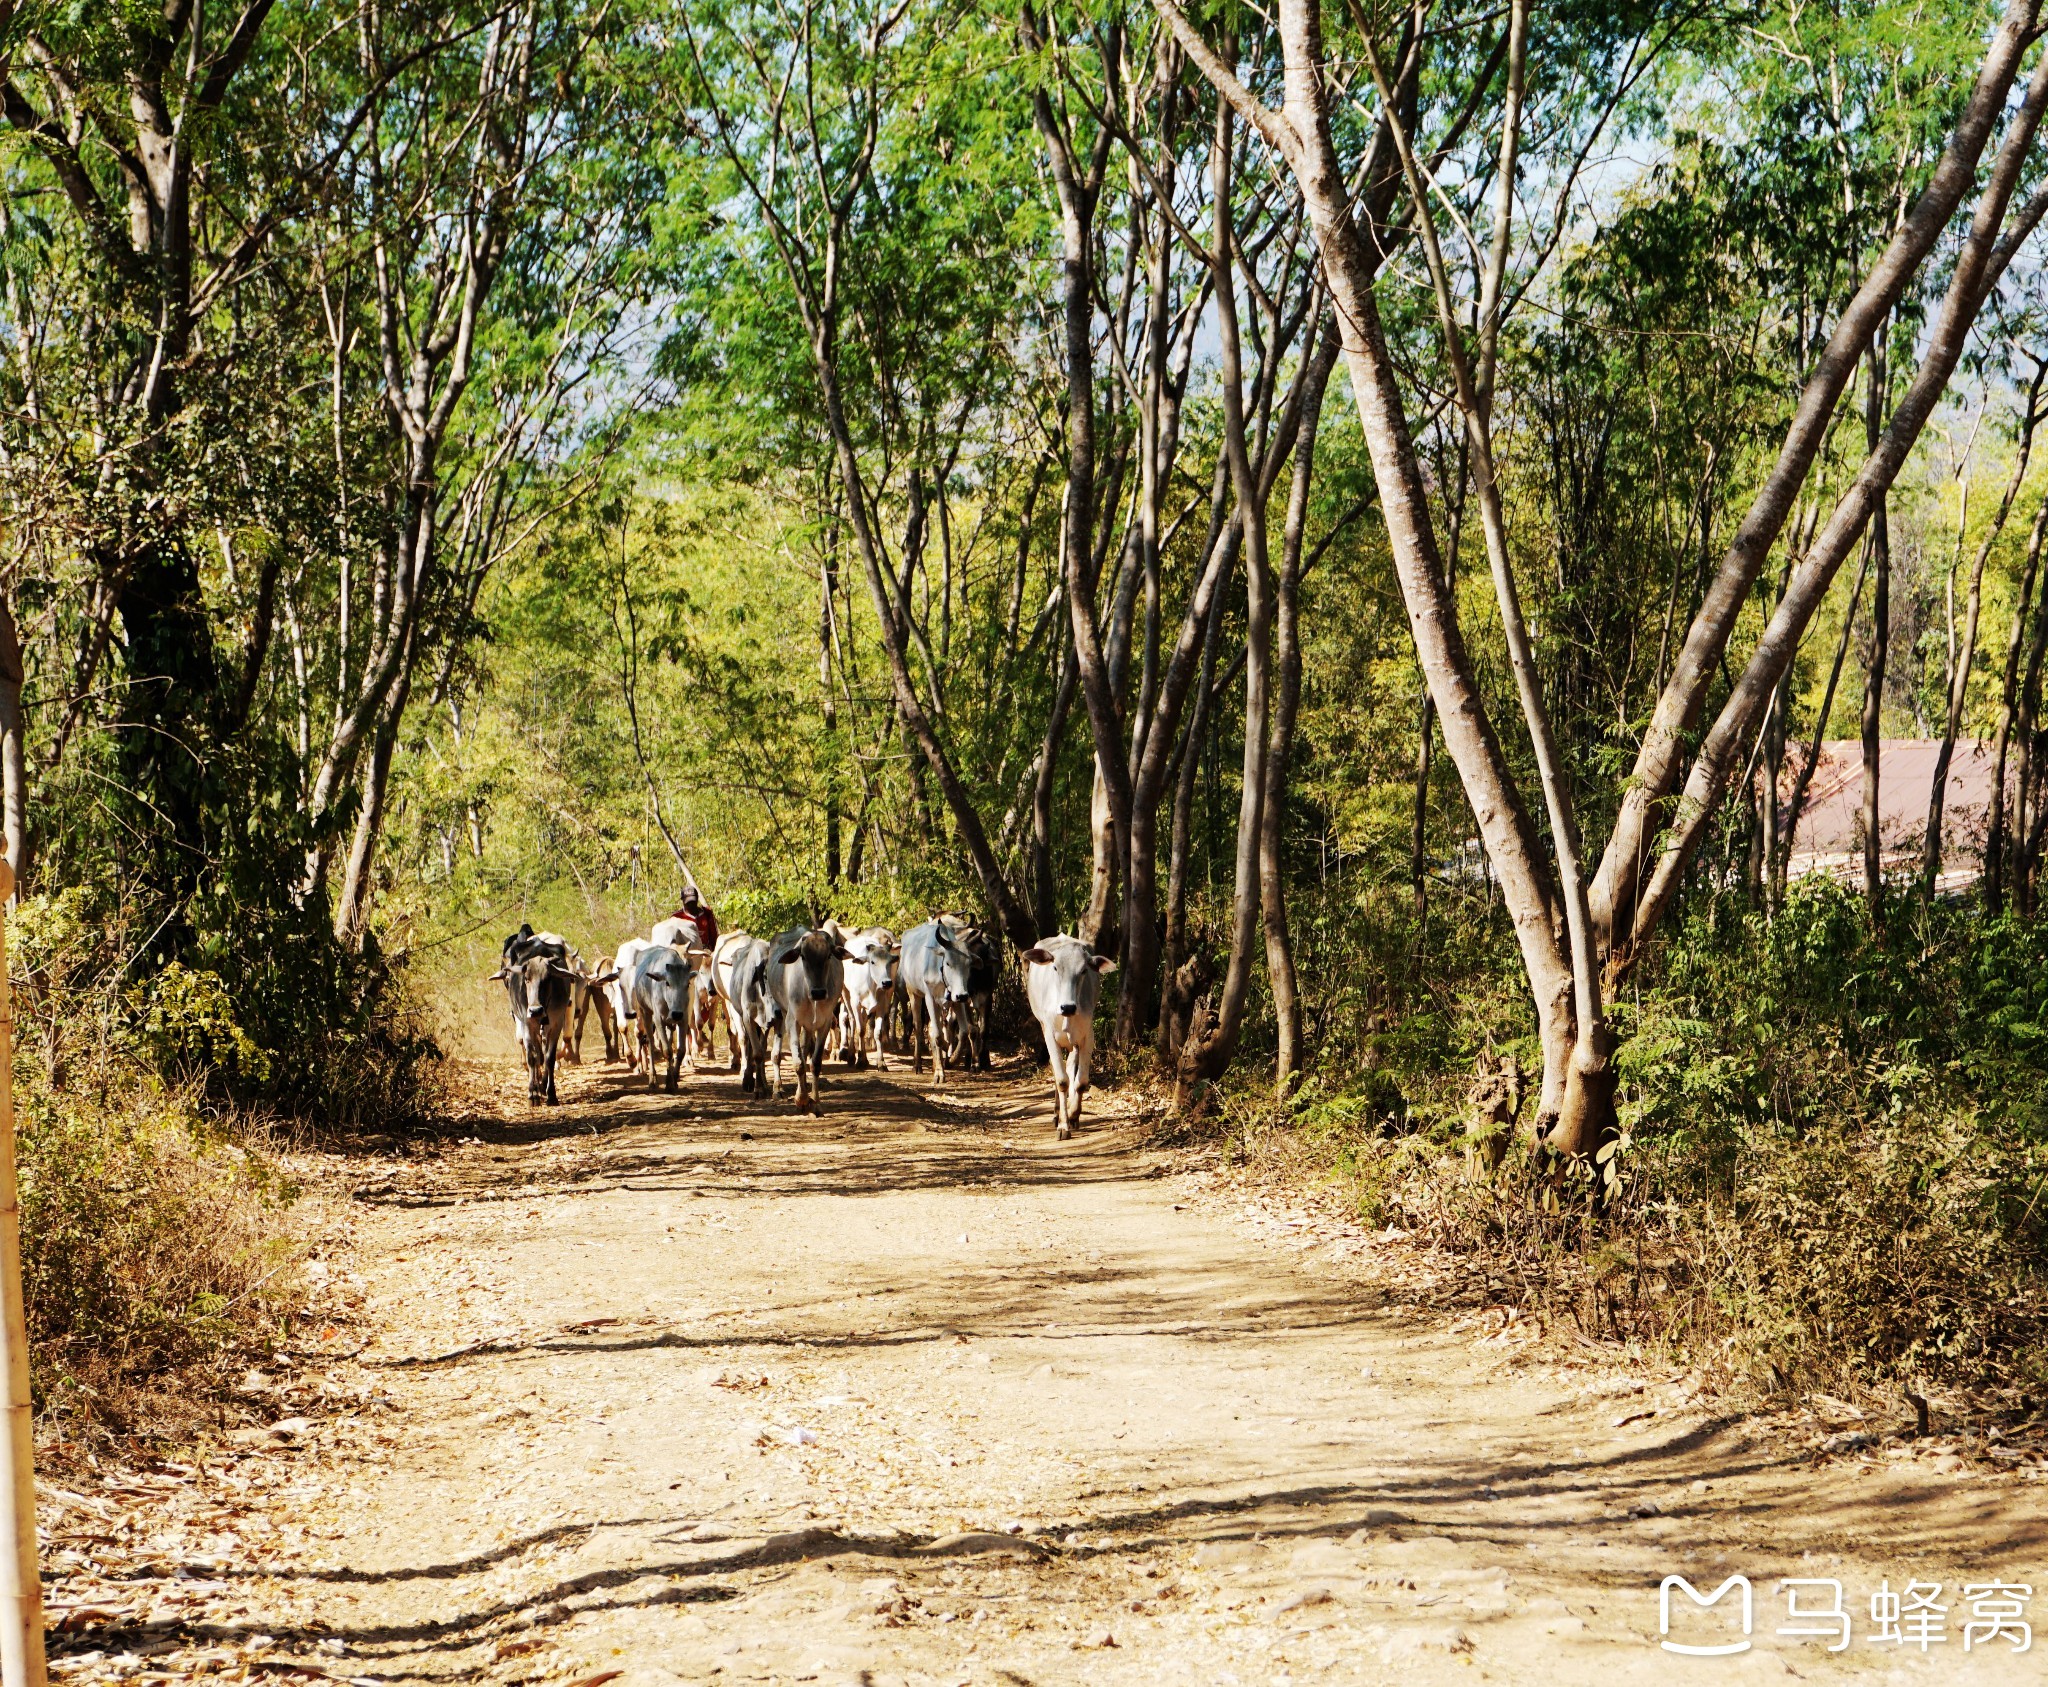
(805, 994)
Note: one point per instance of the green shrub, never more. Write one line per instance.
(154, 1245)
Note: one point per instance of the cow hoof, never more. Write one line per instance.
(1063, 1133)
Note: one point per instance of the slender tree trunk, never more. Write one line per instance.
(1205, 1056)
(351, 912)
(828, 588)
(1803, 781)
(1044, 886)
(1418, 843)
(1874, 665)
(1185, 778)
(1995, 832)
(1280, 970)
(1303, 135)
(1966, 650)
(1631, 850)
(13, 760)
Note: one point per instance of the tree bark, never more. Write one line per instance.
(1280, 969)
(13, 757)
(1207, 1055)
(1995, 832)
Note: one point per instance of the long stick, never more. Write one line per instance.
(21, 1585)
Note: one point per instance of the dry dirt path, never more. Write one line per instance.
(692, 1389)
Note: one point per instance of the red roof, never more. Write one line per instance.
(1830, 834)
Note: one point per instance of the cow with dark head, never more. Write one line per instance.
(539, 985)
(806, 976)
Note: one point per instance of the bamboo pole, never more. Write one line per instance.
(21, 1585)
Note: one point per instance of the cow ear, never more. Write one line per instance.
(841, 950)
(606, 977)
(793, 958)
(500, 973)
(1105, 963)
(1037, 957)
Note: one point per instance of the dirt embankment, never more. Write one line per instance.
(657, 1389)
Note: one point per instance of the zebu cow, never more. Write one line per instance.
(620, 991)
(742, 964)
(589, 994)
(661, 1006)
(871, 972)
(937, 979)
(538, 983)
(806, 974)
(688, 935)
(1062, 978)
(984, 945)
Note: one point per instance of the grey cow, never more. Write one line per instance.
(539, 985)
(743, 981)
(661, 1009)
(806, 974)
(938, 978)
(1062, 979)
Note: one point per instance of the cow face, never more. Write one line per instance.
(815, 952)
(1076, 975)
(673, 982)
(884, 964)
(956, 963)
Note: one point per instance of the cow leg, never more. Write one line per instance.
(1058, 1059)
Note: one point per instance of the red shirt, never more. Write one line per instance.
(705, 921)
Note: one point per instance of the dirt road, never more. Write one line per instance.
(694, 1389)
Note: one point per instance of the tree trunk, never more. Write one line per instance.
(351, 912)
(1280, 970)
(1185, 777)
(1966, 650)
(1044, 886)
(1578, 1089)
(1207, 1055)
(1631, 850)
(1418, 845)
(1874, 665)
(828, 586)
(13, 760)
(1995, 832)
(1984, 255)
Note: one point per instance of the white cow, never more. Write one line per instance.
(871, 974)
(806, 974)
(1062, 980)
(621, 992)
(742, 968)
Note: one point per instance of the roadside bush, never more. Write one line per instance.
(1832, 1165)
(155, 1247)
